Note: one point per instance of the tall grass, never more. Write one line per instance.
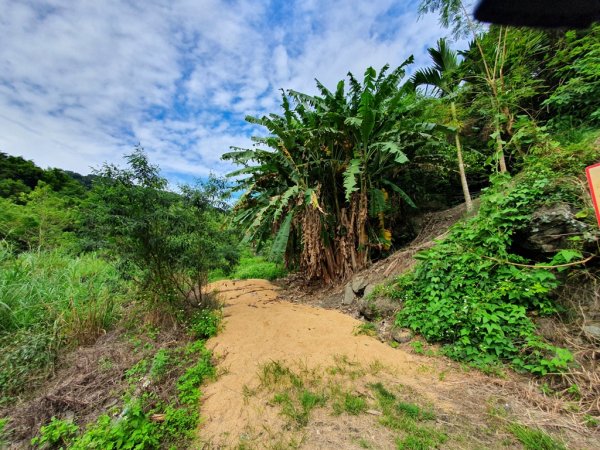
(50, 300)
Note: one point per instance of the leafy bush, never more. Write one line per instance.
(171, 241)
(133, 429)
(577, 64)
(57, 433)
(470, 292)
(204, 324)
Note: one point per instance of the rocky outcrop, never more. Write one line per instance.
(552, 228)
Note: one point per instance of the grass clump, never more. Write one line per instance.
(296, 405)
(350, 404)
(405, 417)
(534, 438)
(294, 392)
(367, 328)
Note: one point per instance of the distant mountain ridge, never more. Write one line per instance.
(20, 176)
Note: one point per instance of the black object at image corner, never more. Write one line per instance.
(539, 13)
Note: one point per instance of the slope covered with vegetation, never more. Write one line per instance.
(118, 257)
(335, 183)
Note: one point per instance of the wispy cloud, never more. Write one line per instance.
(82, 82)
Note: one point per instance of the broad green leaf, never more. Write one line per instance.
(394, 149)
(281, 239)
(399, 190)
(350, 184)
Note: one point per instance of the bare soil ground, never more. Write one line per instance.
(263, 334)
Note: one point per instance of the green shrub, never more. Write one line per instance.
(170, 240)
(470, 293)
(204, 324)
(57, 433)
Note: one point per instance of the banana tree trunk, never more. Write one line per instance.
(461, 164)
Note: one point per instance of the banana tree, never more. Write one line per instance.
(320, 180)
(444, 78)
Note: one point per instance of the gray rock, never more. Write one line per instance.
(369, 288)
(550, 227)
(378, 308)
(401, 335)
(349, 295)
(358, 285)
(593, 330)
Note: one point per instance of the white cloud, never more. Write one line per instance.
(82, 82)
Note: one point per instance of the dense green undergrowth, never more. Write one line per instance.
(158, 410)
(50, 301)
(475, 293)
(251, 266)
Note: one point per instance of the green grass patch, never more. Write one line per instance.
(350, 404)
(534, 438)
(251, 266)
(367, 328)
(406, 417)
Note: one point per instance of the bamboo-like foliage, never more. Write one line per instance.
(318, 186)
(444, 78)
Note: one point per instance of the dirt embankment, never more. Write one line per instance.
(261, 329)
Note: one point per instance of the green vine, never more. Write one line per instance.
(472, 293)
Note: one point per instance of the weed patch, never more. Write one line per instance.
(406, 417)
(534, 439)
(56, 433)
(367, 328)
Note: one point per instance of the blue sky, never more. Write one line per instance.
(81, 82)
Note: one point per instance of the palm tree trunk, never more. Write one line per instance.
(461, 164)
(500, 149)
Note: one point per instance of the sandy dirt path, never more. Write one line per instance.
(259, 328)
